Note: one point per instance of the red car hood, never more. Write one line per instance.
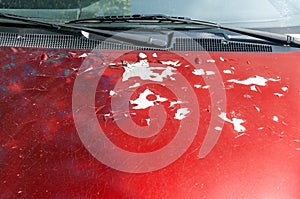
(149, 124)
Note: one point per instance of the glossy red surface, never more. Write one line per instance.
(253, 97)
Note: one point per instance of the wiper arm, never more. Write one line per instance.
(268, 36)
(128, 37)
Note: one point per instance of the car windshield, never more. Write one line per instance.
(246, 13)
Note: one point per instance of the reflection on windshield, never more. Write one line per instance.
(249, 13)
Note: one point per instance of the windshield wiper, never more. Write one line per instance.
(281, 39)
(136, 39)
(158, 18)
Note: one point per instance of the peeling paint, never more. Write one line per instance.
(284, 89)
(235, 121)
(142, 55)
(256, 80)
(148, 120)
(83, 55)
(181, 113)
(107, 115)
(257, 108)
(200, 71)
(142, 102)
(112, 93)
(171, 63)
(253, 88)
(228, 71)
(278, 94)
(210, 61)
(275, 118)
(197, 86)
(206, 87)
(175, 102)
(222, 59)
(142, 70)
(154, 55)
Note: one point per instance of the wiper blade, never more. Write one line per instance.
(158, 18)
(281, 39)
(122, 36)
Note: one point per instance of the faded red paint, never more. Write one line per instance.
(42, 156)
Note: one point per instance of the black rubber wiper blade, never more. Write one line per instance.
(157, 18)
(122, 36)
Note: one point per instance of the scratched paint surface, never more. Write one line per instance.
(257, 154)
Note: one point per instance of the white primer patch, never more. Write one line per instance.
(210, 61)
(142, 55)
(107, 115)
(256, 80)
(253, 88)
(227, 71)
(154, 55)
(112, 93)
(200, 71)
(142, 70)
(275, 118)
(284, 89)
(181, 113)
(142, 102)
(148, 120)
(206, 87)
(197, 86)
(236, 122)
(83, 55)
(257, 108)
(278, 94)
(171, 63)
(222, 59)
(175, 102)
